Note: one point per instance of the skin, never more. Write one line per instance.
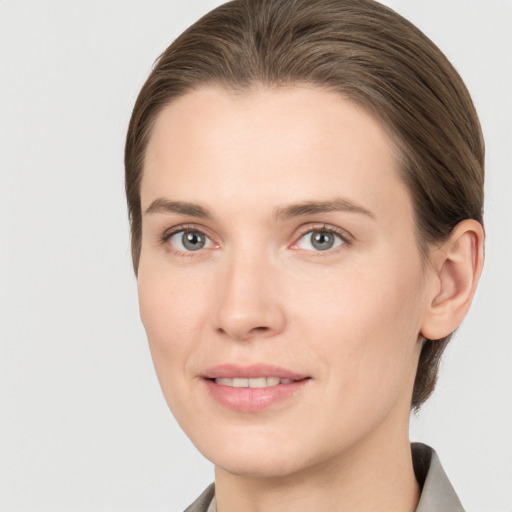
(350, 318)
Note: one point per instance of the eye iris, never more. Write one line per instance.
(322, 240)
(193, 241)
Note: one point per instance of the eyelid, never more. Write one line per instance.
(345, 236)
(170, 232)
(185, 227)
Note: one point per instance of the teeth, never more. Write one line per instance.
(224, 382)
(240, 383)
(257, 383)
(260, 382)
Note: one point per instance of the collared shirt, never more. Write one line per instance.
(437, 494)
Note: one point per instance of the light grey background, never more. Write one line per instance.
(83, 425)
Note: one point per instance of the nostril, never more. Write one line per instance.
(245, 334)
(260, 329)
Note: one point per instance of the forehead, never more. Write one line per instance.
(274, 144)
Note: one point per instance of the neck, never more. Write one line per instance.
(376, 476)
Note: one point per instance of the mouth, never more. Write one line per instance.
(258, 382)
(252, 388)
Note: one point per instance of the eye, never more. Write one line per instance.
(189, 240)
(319, 240)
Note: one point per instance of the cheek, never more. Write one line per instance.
(365, 328)
(171, 309)
(170, 300)
(358, 300)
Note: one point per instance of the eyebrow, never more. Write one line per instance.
(312, 207)
(161, 205)
(303, 208)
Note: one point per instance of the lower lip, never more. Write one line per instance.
(253, 399)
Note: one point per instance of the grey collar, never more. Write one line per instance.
(437, 493)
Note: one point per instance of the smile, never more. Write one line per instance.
(259, 382)
(253, 388)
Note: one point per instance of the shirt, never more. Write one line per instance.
(437, 493)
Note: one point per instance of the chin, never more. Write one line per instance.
(263, 455)
(249, 456)
(258, 467)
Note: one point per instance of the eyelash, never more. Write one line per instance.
(164, 240)
(344, 236)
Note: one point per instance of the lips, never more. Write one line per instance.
(252, 371)
(258, 382)
(252, 388)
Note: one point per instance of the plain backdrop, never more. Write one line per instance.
(83, 424)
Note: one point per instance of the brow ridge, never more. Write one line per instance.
(312, 207)
(161, 205)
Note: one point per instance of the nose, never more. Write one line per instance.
(249, 301)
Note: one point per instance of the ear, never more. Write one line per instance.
(456, 267)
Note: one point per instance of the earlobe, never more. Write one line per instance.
(456, 268)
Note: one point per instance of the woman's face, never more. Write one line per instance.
(280, 282)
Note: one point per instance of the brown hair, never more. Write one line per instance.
(366, 52)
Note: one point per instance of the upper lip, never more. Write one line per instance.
(252, 371)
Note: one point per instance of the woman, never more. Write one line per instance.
(305, 187)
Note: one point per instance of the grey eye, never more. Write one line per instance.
(319, 240)
(189, 240)
(192, 240)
